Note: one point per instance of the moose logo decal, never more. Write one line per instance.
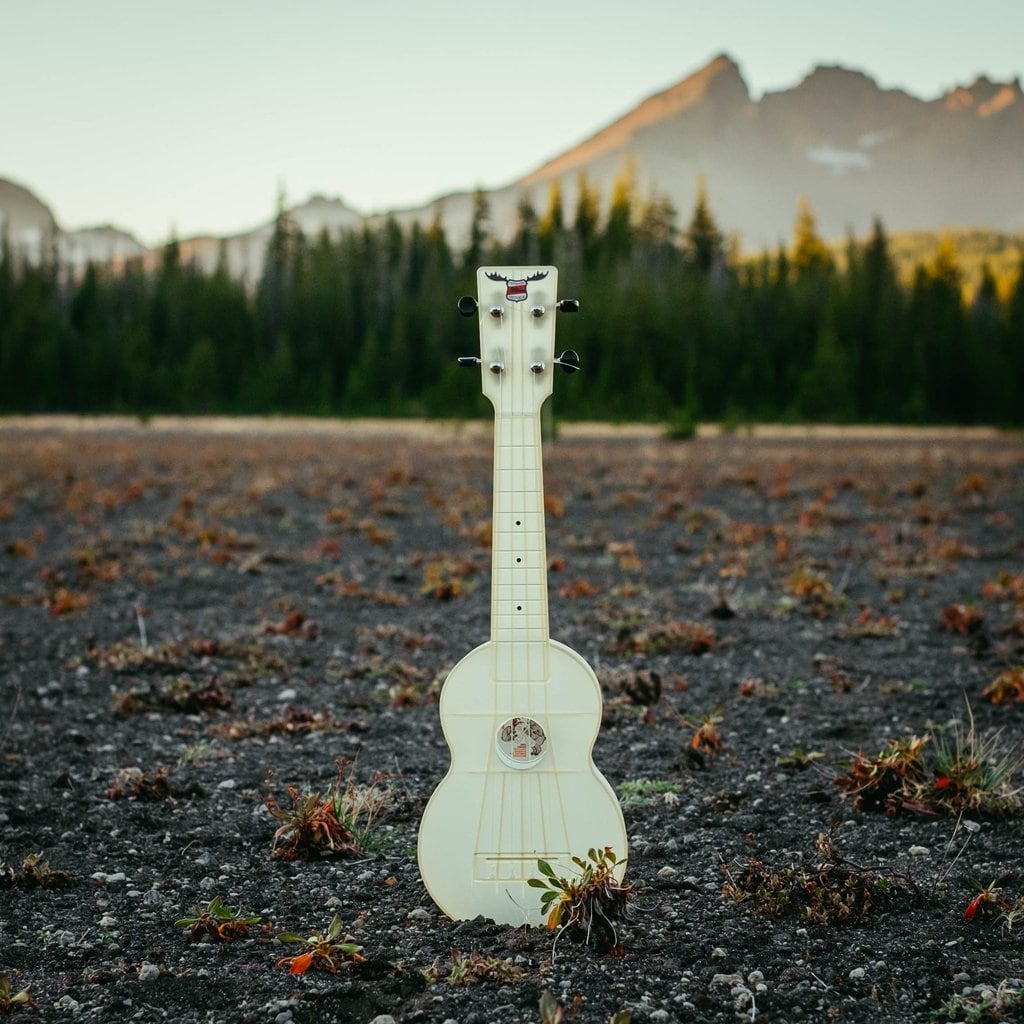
(515, 288)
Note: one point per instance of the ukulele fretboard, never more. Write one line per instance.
(519, 590)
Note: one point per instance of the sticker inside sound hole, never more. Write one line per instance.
(521, 742)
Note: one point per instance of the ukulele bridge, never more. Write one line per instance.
(494, 867)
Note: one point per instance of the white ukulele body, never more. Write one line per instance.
(521, 712)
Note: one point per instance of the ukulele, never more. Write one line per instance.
(520, 713)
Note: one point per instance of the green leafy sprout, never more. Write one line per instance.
(218, 922)
(588, 906)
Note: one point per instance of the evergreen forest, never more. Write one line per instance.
(673, 326)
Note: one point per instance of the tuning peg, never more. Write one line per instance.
(467, 305)
(568, 305)
(569, 360)
(469, 360)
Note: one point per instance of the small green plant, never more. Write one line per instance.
(832, 891)
(798, 759)
(217, 922)
(550, 1009)
(465, 969)
(975, 773)
(135, 784)
(551, 1012)
(589, 906)
(661, 638)
(340, 821)
(1007, 687)
(991, 902)
(813, 591)
(9, 999)
(33, 873)
(324, 952)
(983, 1003)
(960, 772)
(642, 792)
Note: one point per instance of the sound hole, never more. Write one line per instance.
(521, 742)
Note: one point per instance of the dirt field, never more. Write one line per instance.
(195, 616)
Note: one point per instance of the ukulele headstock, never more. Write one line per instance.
(516, 308)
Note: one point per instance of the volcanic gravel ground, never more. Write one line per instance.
(186, 611)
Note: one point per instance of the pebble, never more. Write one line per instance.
(114, 878)
(727, 979)
(149, 972)
(919, 851)
(718, 953)
(667, 871)
(384, 1018)
(857, 974)
(287, 694)
(106, 921)
(418, 914)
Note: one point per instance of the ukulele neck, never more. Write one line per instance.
(519, 585)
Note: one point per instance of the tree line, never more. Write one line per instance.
(674, 325)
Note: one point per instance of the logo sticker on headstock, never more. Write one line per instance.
(515, 288)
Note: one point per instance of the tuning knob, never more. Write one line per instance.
(568, 305)
(569, 360)
(467, 305)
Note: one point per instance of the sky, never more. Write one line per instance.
(192, 117)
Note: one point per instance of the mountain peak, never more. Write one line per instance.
(719, 84)
(983, 97)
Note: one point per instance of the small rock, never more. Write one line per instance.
(667, 871)
(149, 972)
(919, 851)
(114, 878)
(718, 953)
(857, 974)
(106, 921)
(287, 694)
(727, 979)
(418, 914)
(383, 1018)
(227, 784)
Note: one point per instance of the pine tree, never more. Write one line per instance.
(618, 232)
(477, 251)
(704, 242)
(551, 229)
